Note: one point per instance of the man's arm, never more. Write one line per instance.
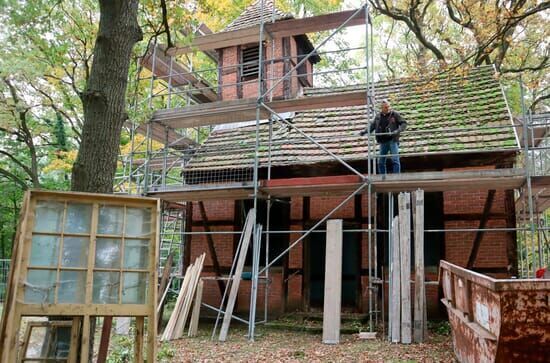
(401, 122)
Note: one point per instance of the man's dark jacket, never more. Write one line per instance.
(392, 122)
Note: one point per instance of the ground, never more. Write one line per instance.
(285, 346)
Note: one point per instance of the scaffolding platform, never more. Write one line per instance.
(344, 185)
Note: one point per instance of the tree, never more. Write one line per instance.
(447, 34)
(104, 99)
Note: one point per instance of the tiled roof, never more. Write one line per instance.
(444, 115)
(252, 15)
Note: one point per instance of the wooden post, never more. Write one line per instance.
(333, 282)
(105, 338)
(75, 340)
(405, 247)
(85, 348)
(236, 278)
(194, 324)
(419, 287)
(395, 298)
(138, 348)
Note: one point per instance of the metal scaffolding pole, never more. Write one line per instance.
(252, 318)
(528, 176)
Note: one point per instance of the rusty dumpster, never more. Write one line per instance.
(496, 320)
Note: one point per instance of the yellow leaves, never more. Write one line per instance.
(140, 145)
(62, 163)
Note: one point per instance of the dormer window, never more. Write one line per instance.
(250, 62)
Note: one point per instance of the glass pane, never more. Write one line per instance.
(107, 253)
(48, 217)
(75, 252)
(49, 342)
(138, 222)
(136, 254)
(40, 286)
(44, 250)
(110, 220)
(134, 290)
(72, 287)
(106, 287)
(79, 218)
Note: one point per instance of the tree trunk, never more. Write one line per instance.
(104, 99)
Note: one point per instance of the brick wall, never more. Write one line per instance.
(492, 252)
(273, 71)
(494, 246)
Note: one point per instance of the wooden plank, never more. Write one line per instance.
(223, 112)
(333, 282)
(85, 341)
(182, 319)
(194, 324)
(6, 326)
(281, 28)
(138, 345)
(405, 250)
(105, 338)
(343, 185)
(419, 325)
(165, 275)
(236, 278)
(75, 340)
(167, 335)
(395, 276)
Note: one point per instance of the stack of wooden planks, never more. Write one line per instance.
(178, 319)
(402, 325)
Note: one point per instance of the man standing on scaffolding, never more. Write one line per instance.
(387, 126)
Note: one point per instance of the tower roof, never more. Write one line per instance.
(252, 15)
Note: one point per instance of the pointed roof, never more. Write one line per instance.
(252, 15)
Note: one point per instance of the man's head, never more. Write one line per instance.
(385, 107)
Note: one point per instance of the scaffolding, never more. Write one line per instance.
(158, 164)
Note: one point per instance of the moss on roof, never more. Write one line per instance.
(445, 114)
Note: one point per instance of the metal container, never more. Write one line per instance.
(496, 320)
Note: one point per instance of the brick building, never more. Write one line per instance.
(456, 122)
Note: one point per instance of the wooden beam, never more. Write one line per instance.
(194, 324)
(419, 321)
(281, 28)
(479, 234)
(395, 284)
(211, 248)
(405, 252)
(105, 338)
(237, 276)
(177, 75)
(333, 282)
(345, 184)
(240, 110)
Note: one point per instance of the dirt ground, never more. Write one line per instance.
(284, 346)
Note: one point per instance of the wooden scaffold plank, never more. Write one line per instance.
(333, 282)
(237, 276)
(419, 323)
(395, 276)
(405, 251)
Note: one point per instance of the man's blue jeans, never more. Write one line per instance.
(389, 147)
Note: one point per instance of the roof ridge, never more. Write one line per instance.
(252, 15)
